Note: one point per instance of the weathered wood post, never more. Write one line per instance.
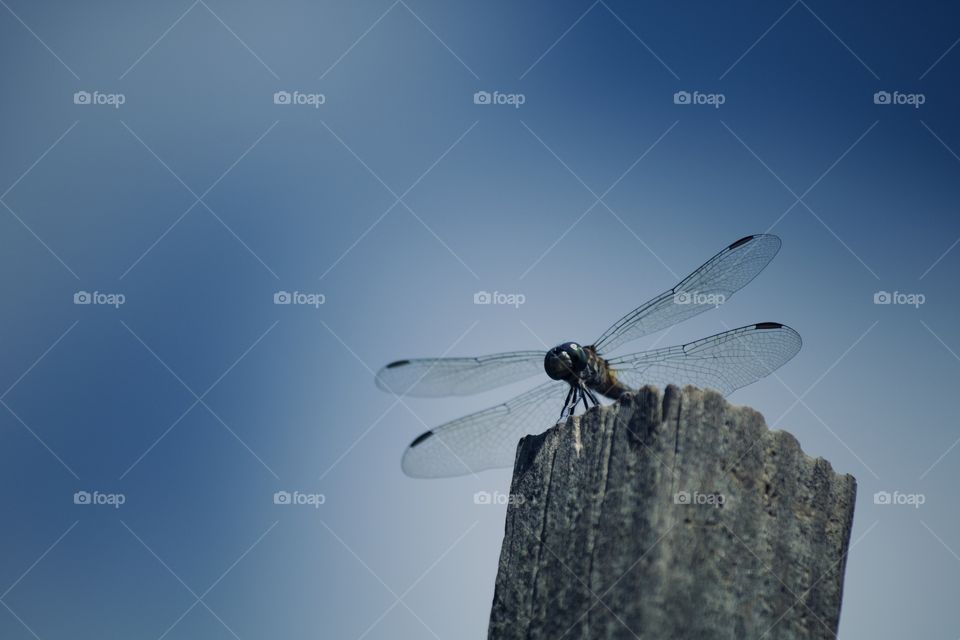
(673, 516)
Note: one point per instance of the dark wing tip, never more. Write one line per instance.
(756, 236)
(741, 242)
(384, 383)
(768, 325)
(420, 438)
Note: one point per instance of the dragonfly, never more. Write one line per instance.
(579, 373)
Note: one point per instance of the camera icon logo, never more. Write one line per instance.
(681, 97)
(81, 497)
(82, 297)
(882, 297)
(281, 97)
(482, 97)
(881, 97)
(482, 497)
(482, 297)
(282, 297)
(81, 97)
(683, 297)
(882, 497)
(681, 497)
(281, 497)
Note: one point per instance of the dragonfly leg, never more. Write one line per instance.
(584, 395)
(575, 400)
(566, 403)
(577, 397)
(589, 393)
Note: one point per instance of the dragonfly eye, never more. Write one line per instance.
(565, 362)
(577, 355)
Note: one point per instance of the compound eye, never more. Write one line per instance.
(557, 364)
(578, 357)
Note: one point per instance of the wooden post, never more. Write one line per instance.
(673, 516)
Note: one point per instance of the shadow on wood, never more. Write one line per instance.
(674, 516)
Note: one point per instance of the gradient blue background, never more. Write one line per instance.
(299, 411)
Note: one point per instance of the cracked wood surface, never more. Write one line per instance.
(673, 516)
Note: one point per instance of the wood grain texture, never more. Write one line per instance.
(617, 530)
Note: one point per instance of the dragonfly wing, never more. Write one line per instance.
(710, 285)
(725, 362)
(433, 377)
(486, 439)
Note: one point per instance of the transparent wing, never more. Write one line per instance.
(724, 362)
(432, 377)
(710, 285)
(486, 439)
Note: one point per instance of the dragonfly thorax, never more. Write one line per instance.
(565, 362)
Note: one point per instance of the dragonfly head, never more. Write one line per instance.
(565, 362)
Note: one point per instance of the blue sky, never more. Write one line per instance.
(147, 155)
